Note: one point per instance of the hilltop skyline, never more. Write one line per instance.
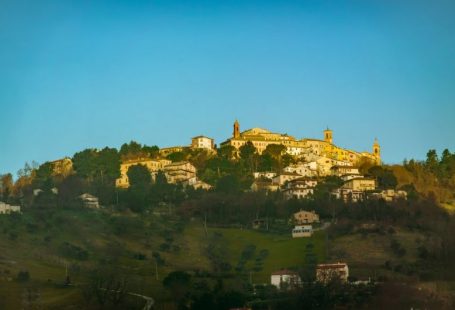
(85, 75)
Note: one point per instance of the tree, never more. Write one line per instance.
(6, 186)
(132, 149)
(176, 156)
(247, 151)
(228, 184)
(178, 282)
(432, 161)
(386, 178)
(227, 152)
(139, 176)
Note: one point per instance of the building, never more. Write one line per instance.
(62, 166)
(179, 171)
(202, 142)
(172, 149)
(300, 231)
(360, 184)
(299, 188)
(8, 209)
(266, 185)
(264, 175)
(284, 177)
(344, 170)
(389, 195)
(285, 279)
(330, 272)
(195, 183)
(261, 138)
(304, 169)
(89, 201)
(306, 217)
(153, 165)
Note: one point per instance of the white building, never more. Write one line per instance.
(299, 188)
(304, 169)
(266, 175)
(284, 177)
(179, 171)
(344, 170)
(285, 279)
(8, 209)
(89, 201)
(202, 142)
(300, 231)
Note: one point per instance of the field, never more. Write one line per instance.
(114, 240)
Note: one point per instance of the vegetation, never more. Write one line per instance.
(196, 249)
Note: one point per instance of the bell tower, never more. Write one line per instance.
(236, 133)
(328, 137)
(377, 151)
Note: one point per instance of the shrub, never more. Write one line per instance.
(23, 276)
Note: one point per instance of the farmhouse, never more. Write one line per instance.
(285, 279)
(306, 217)
(329, 272)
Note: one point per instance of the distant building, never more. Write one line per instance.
(264, 175)
(300, 231)
(285, 279)
(172, 149)
(360, 184)
(329, 272)
(306, 217)
(266, 185)
(179, 171)
(202, 142)
(389, 195)
(304, 169)
(299, 188)
(153, 165)
(195, 183)
(284, 177)
(261, 138)
(344, 170)
(89, 201)
(8, 209)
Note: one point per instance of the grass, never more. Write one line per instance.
(283, 250)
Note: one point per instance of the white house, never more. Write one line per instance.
(202, 142)
(300, 231)
(89, 201)
(8, 209)
(264, 175)
(285, 177)
(299, 188)
(304, 169)
(285, 278)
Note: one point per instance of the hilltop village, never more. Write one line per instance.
(312, 159)
(263, 215)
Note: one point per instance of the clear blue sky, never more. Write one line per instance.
(79, 74)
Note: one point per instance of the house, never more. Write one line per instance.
(8, 209)
(264, 185)
(89, 201)
(389, 195)
(284, 177)
(306, 217)
(153, 165)
(344, 170)
(360, 184)
(285, 279)
(258, 223)
(172, 149)
(329, 272)
(300, 231)
(202, 142)
(264, 175)
(347, 194)
(195, 183)
(179, 171)
(299, 188)
(304, 169)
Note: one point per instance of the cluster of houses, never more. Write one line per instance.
(8, 209)
(299, 180)
(325, 273)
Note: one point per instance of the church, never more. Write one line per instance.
(306, 147)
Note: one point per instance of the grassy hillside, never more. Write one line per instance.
(38, 243)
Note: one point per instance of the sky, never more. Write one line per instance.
(89, 74)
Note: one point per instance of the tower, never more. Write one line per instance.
(328, 137)
(377, 151)
(236, 133)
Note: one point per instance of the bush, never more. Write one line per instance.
(23, 276)
(73, 251)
